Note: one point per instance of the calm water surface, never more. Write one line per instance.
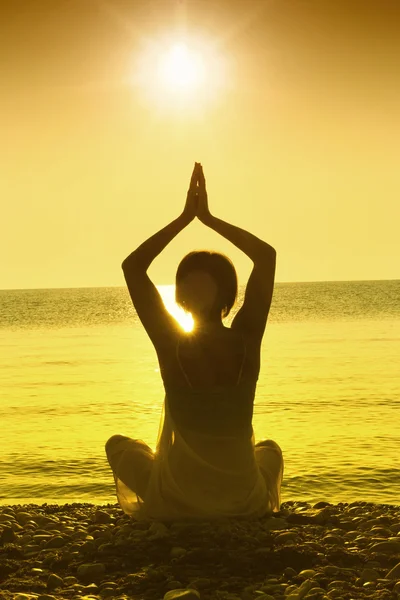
(77, 367)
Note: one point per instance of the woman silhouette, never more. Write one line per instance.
(206, 463)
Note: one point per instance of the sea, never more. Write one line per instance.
(76, 367)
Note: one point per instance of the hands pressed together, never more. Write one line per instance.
(196, 200)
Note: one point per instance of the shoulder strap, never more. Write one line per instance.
(244, 358)
(180, 364)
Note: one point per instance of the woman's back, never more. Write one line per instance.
(212, 391)
(204, 361)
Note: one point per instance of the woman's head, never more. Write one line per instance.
(206, 284)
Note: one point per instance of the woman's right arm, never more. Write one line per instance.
(247, 242)
(252, 316)
(256, 249)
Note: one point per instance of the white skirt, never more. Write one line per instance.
(195, 476)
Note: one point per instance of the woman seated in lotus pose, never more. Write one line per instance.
(206, 464)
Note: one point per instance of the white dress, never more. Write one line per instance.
(206, 463)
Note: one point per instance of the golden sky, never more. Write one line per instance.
(299, 142)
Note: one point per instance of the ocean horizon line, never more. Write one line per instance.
(87, 287)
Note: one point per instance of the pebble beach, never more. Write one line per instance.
(311, 552)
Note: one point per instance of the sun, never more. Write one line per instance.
(182, 73)
(181, 69)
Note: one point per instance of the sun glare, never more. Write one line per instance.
(180, 73)
(184, 319)
(181, 69)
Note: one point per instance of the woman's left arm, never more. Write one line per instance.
(144, 255)
(160, 325)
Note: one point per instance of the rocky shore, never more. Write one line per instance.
(86, 551)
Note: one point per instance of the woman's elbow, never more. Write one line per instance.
(269, 251)
(127, 263)
(132, 262)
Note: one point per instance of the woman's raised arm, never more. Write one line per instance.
(144, 255)
(252, 317)
(242, 239)
(160, 325)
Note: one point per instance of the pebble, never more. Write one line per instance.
(102, 517)
(6, 518)
(304, 552)
(333, 540)
(107, 592)
(287, 536)
(174, 585)
(274, 524)
(307, 573)
(289, 573)
(394, 573)
(182, 595)
(158, 530)
(8, 535)
(90, 571)
(201, 583)
(56, 542)
(315, 594)
(369, 575)
(54, 582)
(176, 552)
(23, 517)
(318, 517)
